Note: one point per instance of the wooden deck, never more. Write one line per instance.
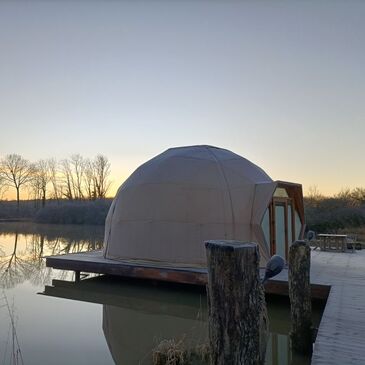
(341, 335)
(94, 262)
(337, 276)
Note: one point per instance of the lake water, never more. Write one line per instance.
(48, 319)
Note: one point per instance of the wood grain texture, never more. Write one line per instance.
(300, 297)
(238, 320)
(340, 338)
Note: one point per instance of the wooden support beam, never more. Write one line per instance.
(300, 297)
(238, 320)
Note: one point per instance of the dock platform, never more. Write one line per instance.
(336, 276)
(94, 262)
(340, 338)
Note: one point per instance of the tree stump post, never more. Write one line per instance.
(238, 320)
(300, 297)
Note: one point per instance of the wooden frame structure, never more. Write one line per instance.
(294, 199)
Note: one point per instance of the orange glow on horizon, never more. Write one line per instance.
(324, 188)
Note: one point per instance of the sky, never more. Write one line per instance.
(281, 83)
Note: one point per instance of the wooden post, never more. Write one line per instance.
(238, 320)
(300, 297)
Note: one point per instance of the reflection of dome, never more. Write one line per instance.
(132, 335)
(171, 204)
(141, 317)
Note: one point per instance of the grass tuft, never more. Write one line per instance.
(173, 352)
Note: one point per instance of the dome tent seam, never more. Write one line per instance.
(228, 188)
(174, 202)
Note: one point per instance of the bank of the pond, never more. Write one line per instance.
(323, 215)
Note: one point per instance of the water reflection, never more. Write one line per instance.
(138, 316)
(23, 246)
(14, 267)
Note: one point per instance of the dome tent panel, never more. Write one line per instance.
(242, 199)
(160, 247)
(178, 203)
(237, 170)
(174, 202)
(178, 170)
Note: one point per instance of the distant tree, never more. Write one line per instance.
(67, 179)
(16, 171)
(40, 180)
(3, 187)
(34, 189)
(89, 180)
(344, 194)
(358, 195)
(77, 163)
(101, 176)
(314, 193)
(54, 179)
(83, 178)
(345, 197)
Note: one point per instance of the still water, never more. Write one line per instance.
(48, 319)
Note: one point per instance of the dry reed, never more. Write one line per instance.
(172, 352)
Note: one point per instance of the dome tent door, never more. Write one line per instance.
(282, 224)
(280, 243)
(282, 236)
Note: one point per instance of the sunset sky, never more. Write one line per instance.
(281, 83)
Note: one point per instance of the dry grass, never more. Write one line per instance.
(202, 353)
(172, 352)
(169, 352)
(359, 232)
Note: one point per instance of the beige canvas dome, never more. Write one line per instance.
(174, 202)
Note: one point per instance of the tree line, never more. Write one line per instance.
(343, 210)
(73, 178)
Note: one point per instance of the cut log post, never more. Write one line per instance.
(300, 297)
(238, 320)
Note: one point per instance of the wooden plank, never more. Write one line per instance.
(340, 338)
(94, 262)
(98, 264)
(281, 287)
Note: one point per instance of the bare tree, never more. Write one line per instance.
(89, 180)
(54, 179)
(101, 176)
(40, 180)
(343, 194)
(314, 193)
(35, 188)
(16, 171)
(77, 163)
(358, 195)
(3, 187)
(67, 179)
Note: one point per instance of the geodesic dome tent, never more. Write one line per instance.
(177, 200)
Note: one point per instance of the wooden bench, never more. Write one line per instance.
(333, 242)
